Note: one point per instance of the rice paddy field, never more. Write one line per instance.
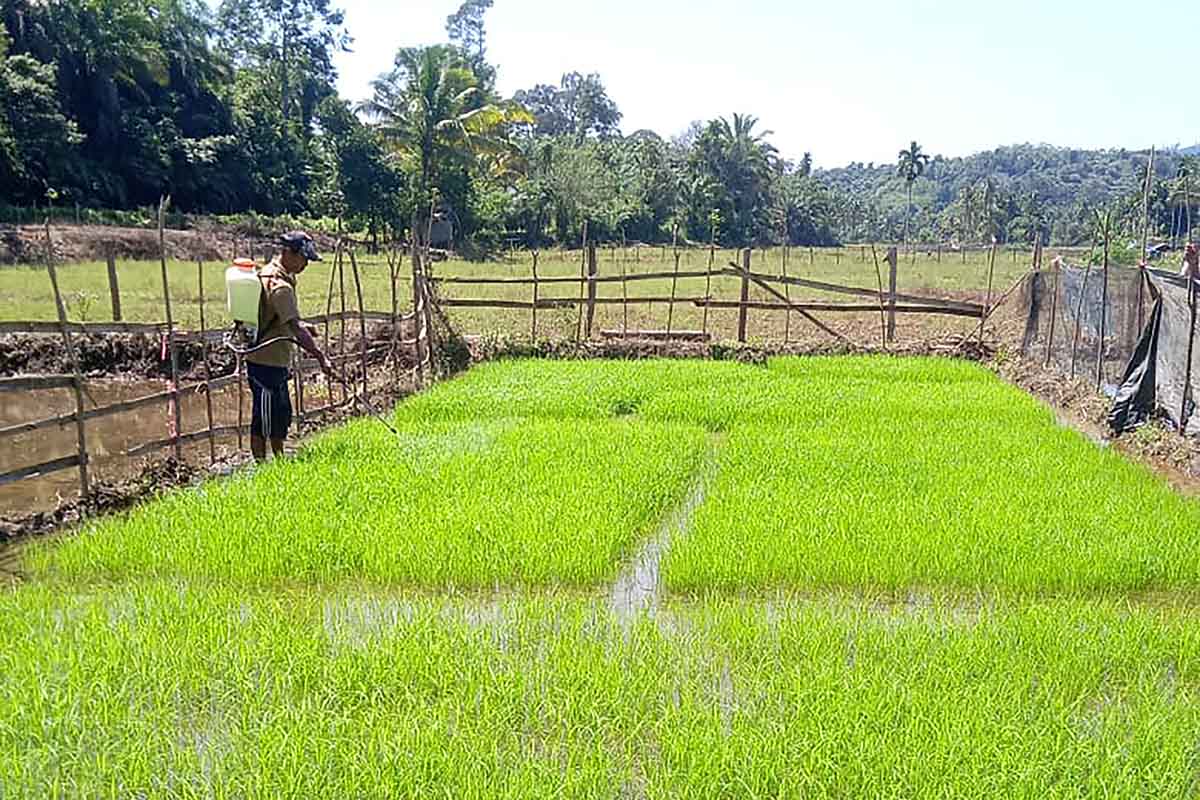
(826, 577)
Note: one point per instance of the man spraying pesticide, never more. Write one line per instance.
(278, 327)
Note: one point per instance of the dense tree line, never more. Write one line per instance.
(114, 103)
(1015, 194)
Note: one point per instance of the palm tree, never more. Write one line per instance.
(911, 166)
(433, 113)
(746, 164)
(1181, 196)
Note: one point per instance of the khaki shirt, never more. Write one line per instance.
(277, 309)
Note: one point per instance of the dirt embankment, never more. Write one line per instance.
(136, 355)
(26, 244)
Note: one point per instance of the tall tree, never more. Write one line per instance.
(431, 111)
(294, 41)
(466, 30)
(578, 107)
(911, 166)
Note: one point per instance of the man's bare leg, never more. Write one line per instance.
(258, 446)
(277, 447)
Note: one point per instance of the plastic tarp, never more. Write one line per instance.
(1163, 374)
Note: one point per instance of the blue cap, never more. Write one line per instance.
(300, 242)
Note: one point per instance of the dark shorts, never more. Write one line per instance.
(272, 414)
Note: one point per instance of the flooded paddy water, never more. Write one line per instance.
(110, 437)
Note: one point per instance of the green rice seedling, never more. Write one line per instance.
(173, 689)
(889, 496)
(468, 504)
(829, 699)
(161, 689)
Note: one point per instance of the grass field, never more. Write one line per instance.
(901, 579)
(25, 291)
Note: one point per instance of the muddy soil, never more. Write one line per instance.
(131, 355)
(490, 348)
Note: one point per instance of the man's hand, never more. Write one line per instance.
(312, 329)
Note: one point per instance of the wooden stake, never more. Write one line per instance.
(787, 296)
(533, 309)
(674, 279)
(1141, 293)
(162, 251)
(1187, 383)
(712, 255)
(745, 297)
(882, 310)
(624, 297)
(991, 274)
(892, 259)
(592, 269)
(208, 406)
(337, 259)
(585, 264)
(341, 270)
(1053, 311)
(77, 382)
(1103, 312)
(1079, 309)
(114, 287)
(362, 319)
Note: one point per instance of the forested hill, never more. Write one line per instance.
(1026, 186)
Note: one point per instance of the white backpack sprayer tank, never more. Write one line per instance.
(243, 291)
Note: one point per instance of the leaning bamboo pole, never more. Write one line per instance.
(77, 374)
(208, 405)
(176, 412)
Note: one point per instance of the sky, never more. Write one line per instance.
(844, 80)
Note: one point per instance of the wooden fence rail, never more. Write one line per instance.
(421, 341)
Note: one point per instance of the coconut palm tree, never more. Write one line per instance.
(911, 166)
(432, 112)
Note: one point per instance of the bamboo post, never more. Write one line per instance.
(362, 319)
(712, 256)
(420, 337)
(1087, 272)
(208, 406)
(787, 294)
(341, 349)
(745, 297)
(892, 259)
(533, 308)
(812, 256)
(674, 279)
(427, 290)
(114, 287)
(991, 274)
(1057, 265)
(162, 252)
(394, 262)
(1141, 293)
(77, 382)
(1103, 315)
(1187, 383)
(586, 257)
(337, 258)
(882, 311)
(592, 270)
(624, 298)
